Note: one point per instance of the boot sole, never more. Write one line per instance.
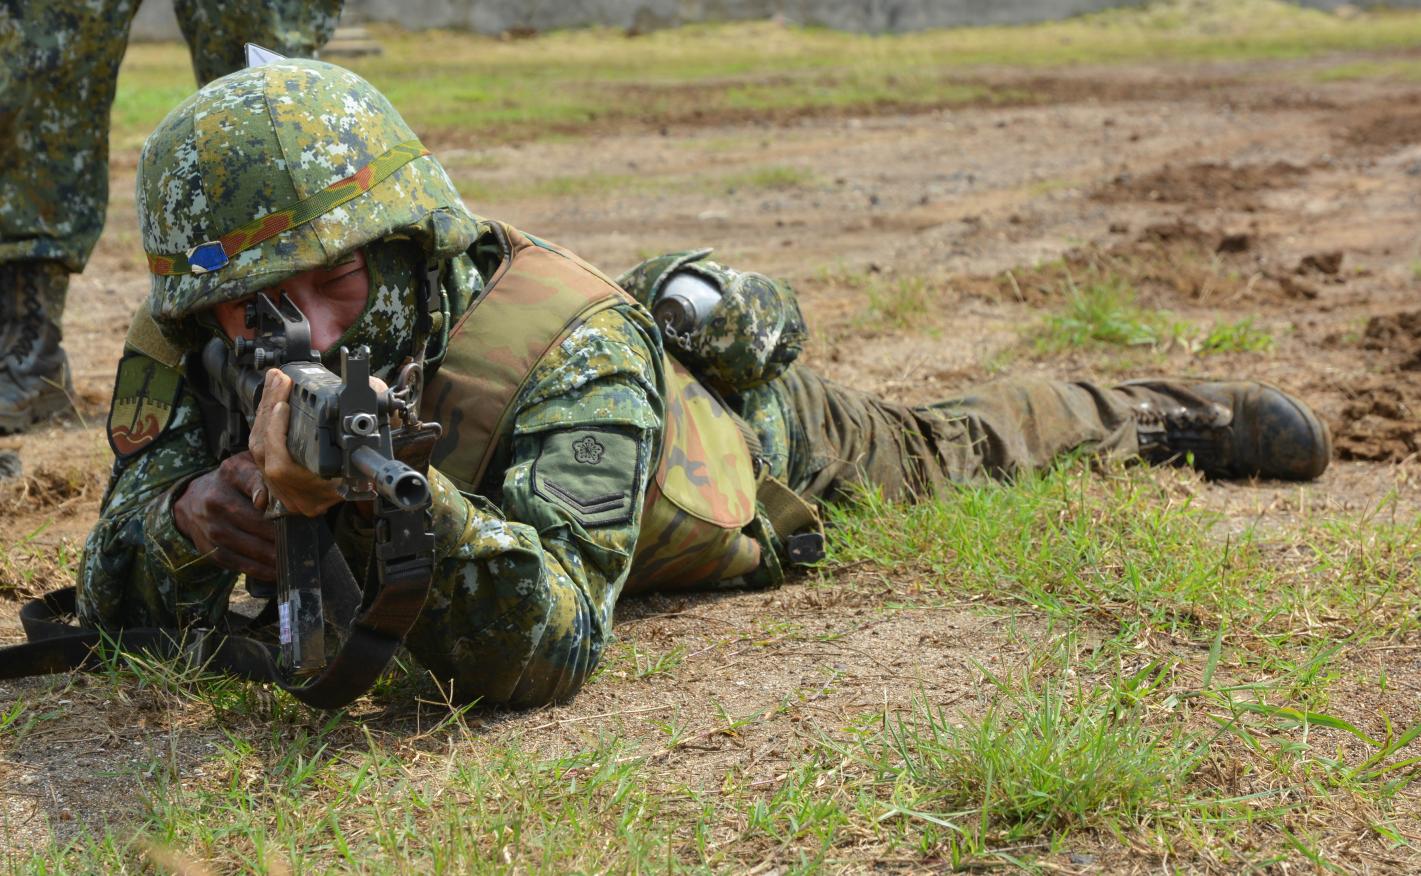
(48, 403)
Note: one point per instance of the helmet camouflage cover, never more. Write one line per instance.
(278, 169)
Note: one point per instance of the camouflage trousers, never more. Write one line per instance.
(59, 64)
(830, 437)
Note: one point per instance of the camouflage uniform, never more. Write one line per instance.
(522, 599)
(525, 582)
(59, 63)
(819, 437)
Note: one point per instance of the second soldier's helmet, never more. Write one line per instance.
(278, 169)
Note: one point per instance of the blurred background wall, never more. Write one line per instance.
(155, 17)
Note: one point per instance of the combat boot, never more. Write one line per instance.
(1234, 429)
(34, 372)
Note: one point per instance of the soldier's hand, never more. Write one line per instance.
(299, 489)
(222, 513)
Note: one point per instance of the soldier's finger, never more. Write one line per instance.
(255, 522)
(276, 389)
(259, 566)
(256, 442)
(242, 475)
(277, 462)
(299, 490)
(283, 475)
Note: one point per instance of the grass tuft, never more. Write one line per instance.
(1236, 337)
(1105, 314)
(1132, 550)
(1042, 761)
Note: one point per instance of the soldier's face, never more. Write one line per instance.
(332, 299)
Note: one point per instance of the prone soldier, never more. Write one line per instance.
(589, 449)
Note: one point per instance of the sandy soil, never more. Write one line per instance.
(1229, 191)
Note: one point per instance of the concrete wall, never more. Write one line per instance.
(155, 17)
(495, 16)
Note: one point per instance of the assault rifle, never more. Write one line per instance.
(340, 427)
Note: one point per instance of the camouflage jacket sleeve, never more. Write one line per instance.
(138, 569)
(522, 602)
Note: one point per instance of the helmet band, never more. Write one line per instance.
(215, 254)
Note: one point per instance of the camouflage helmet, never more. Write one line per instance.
(278, 169)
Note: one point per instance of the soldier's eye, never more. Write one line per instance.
(342, 281)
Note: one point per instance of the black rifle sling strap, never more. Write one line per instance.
(403, 583)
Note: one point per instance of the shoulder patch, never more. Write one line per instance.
(589, 473)
(145, 397)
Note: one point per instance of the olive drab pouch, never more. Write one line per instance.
(702, 499)
(733, 329)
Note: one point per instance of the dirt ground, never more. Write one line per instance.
(1230, 190)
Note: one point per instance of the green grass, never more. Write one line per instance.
(772, 178)
(1046, 758)
(767, 178)
(470, 88)
(1129, 552)
(586, 185)
(1133, 555)
(906, 303)
(1181, 697)
(1392, 68)
(276, 802)
(1104, 313)
(28, 566)
(1235, 337)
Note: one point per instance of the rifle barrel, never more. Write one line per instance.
(393, 479)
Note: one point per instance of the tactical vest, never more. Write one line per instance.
(702, 496)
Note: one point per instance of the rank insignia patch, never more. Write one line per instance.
(589, 476)
(145, 395)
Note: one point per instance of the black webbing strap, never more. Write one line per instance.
(57, 646)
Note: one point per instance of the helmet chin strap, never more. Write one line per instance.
(429, 307)
(430, 317)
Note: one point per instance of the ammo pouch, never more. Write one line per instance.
(734, 330)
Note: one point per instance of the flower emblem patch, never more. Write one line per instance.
(588, 450)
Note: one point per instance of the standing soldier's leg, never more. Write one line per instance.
(58, 66)
(823, 437)
(217, 31)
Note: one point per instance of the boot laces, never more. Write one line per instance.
(31, 325)
(1182, 418)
